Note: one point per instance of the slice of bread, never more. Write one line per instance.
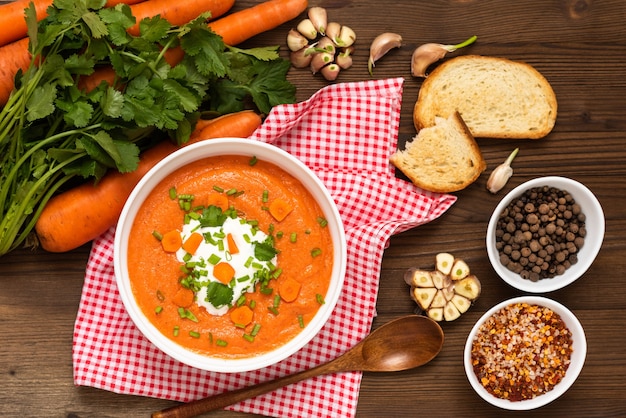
(442, 158)
(497, 97)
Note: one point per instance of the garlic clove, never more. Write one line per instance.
(424, 56)
(330, 72)
(429, 53)
(300, 59)
(346, 37)
(318, 17)
(333, 29)
(501, 174)
(325, 44)
(380, 46)
(320, 60)
(444, 262)
(344, 58)
(295, 40)
(306, 28)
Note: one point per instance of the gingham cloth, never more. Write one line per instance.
(345, 133)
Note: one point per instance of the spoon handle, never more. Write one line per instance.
(200, 406)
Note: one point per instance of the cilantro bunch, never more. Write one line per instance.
(52, 131)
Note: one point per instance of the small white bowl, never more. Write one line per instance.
(212, 148)
(595, 225)
(579, 345)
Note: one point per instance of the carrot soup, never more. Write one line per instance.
(230, 256)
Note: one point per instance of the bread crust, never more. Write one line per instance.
(497, 97)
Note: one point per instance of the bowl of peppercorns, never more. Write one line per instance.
(524, 353)
(545, 234)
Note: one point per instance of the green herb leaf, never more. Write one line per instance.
(265, 251)
(218, 294)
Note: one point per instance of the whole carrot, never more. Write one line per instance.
(242, 25)
(12, 19)
(178, 12)
(13, 57)
(78, 215)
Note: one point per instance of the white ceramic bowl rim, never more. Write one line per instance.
(595, 224)
(262, 151)
(579, 344)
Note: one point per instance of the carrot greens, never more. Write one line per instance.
(53, 133)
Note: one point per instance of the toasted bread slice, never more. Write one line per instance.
(497, 97)
(442, 158)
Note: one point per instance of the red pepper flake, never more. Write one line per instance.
(522, 351)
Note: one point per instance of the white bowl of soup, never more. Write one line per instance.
(230, 255)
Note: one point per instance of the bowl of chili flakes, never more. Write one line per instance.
(524, 353)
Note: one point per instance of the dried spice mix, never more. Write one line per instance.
(521, 352)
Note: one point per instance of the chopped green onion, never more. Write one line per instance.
(157, 235)
(158, 309)
(221, 343)
(276, 301)
(248, 337)
(320, 299)
(322, 221)
(194, 334)
(266, 194)
(231, 192)
(316, 252)
(253, 161)
(214, 259)
(252, 304)
(301, 321)
(218, 189)
(176, 331)
(272, 310)
(293, 237)
(172, 193)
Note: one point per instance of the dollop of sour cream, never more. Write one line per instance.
(216, 249)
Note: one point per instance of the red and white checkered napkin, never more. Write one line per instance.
(345, 133)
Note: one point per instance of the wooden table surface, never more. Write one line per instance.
(580, 47)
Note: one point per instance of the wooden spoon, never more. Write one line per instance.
(404, 343)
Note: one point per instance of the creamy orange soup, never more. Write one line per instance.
(302, 241)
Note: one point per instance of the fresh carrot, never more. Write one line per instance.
(223, 272)
(12, 19)
(13, 57)
(183, 297)
(280, 208)
(178, 12)
(192, 243)
(171, 241)
(218, 199)
(289, 289)
(78, 215)
(242, 25)
(241, 315)
(232, 245)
